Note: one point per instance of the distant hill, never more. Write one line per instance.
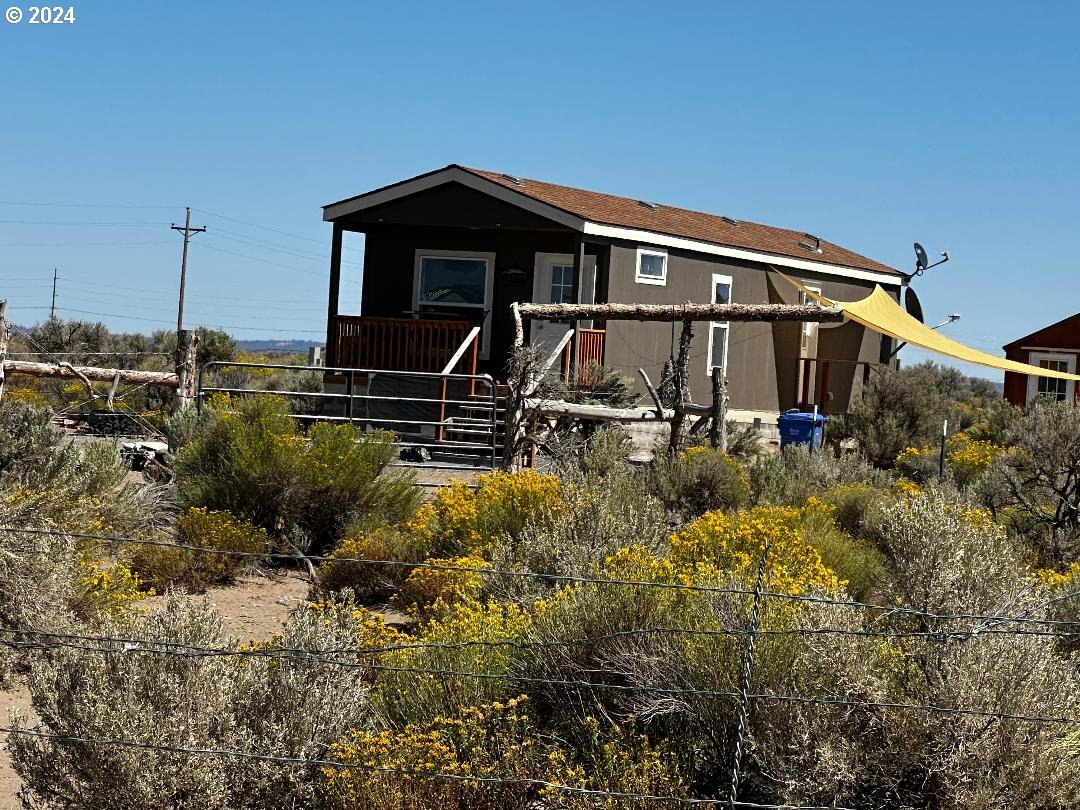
(277, 345)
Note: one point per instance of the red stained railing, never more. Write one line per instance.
(397, 344)
(590, 347)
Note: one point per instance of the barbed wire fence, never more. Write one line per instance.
(948, 628)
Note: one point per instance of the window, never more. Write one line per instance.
(1051, 387)
(651, 266)
(562, 284)
(453, 281)
(718, 331)
(456, 284)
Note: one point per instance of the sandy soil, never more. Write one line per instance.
(16, 699)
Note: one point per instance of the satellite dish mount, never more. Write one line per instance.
(922, 263)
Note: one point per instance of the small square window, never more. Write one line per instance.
(651, 266)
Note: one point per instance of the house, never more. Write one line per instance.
(1054, 347)
(453, 248)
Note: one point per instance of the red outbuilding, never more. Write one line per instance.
(1054, 347)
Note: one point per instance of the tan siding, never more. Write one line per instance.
(763, 359)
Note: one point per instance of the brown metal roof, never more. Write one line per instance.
(628, 213)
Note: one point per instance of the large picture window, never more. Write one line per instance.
(456, 284)
(718, 330)
(453, 281)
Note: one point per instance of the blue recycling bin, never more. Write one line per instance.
(799, 427)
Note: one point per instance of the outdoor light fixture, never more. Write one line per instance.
(513, 273)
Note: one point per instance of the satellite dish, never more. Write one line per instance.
(912, 305)
(921, 262)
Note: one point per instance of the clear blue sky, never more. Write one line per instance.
(871, 124)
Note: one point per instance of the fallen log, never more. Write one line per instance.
(809, 313)
(67, 371)
(604, 413)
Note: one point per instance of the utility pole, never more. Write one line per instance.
(3, 341)
(52, 307)
(187, 231)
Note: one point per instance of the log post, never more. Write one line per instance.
(714, 428)
(718, 435)
(4, 333)
(682, 374)
(188, 341)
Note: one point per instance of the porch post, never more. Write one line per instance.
(579, 263)
(330, 356)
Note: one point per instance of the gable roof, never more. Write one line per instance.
(1063, 334)
(593, 212)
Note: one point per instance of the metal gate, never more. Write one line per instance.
(446, 420)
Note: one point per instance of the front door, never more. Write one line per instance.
(554, 283)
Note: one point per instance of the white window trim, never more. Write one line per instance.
(660, 281)
(489, 287)
(1033, 379)
(719, 278)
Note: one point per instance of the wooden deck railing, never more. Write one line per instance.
(590, 357)
(590, 347)
(397, 344)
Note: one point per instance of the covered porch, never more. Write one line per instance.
(444, 260)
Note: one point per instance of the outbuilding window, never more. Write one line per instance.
(1051, 387)
(651, 266)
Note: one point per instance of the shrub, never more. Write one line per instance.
(608, 450)
(371, 582)
(493, 741)
(1034, 486)
(945, 559)
(163, 567)
(858, 564)
(254, 463)
(293, 707)
(429, 592)
(966, 459)
(465, 638)
(106, 590)
(459, 520)
(790, 477)
(853, 506)
(598, 515)
(697, 481)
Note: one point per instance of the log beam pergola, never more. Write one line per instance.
(811, 313)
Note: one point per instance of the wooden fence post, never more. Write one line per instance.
(186, 345)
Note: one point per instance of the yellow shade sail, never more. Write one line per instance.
(881, 313)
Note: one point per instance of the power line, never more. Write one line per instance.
(79, 224)
(260, 227)
(272, 264)
(89, 205)
(160, 321)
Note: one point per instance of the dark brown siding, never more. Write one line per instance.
(390, 257)
(763, 358)
(449, 205)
